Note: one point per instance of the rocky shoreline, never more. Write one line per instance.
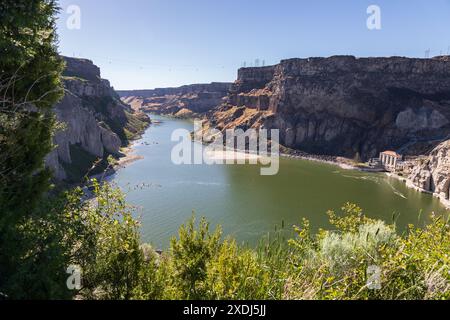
(128, 158)
(321, 159)
(341, 162)
(336, 162)
(431, 173)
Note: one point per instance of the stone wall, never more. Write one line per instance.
(432, 174)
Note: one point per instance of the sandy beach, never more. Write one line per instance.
(129, 157)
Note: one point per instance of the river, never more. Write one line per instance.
(248, 205)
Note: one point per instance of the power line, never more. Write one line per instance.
(141, 65)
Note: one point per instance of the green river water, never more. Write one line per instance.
(248, 205)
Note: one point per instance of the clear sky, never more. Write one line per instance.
(140, 44)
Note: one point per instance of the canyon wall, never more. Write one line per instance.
(342, 105)
(432, 174)
(185, 101)
(94, 122)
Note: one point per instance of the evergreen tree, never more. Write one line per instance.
(30, 84)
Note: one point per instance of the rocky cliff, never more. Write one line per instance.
(432, 174)
(343, 105)
(185, 101)
(95, 123)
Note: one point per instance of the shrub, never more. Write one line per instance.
(235, 273)
(30, 84)
(190, 256)
(331, 264)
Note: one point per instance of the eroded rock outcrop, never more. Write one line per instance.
(95, 122)
(432, 174)
(342, 105)
(185, 101)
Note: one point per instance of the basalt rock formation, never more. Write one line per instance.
(342, 105)
(185, 101)
(95, 123)
(432, 174)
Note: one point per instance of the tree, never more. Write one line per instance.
(30, 84)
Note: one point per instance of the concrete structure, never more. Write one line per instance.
(391, 160)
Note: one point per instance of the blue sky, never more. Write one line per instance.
(160, 43)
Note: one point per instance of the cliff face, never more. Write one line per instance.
(433, 174)
(343, 105)
(183, 101)
(95, 122)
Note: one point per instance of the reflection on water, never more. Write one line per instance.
(249, 205)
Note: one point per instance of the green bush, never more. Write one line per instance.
(108, 249)
(236, 273)
(191, 255)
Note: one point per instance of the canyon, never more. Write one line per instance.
(326, 107)
(344, 106)
(352, 107)
(94, 123)
(340, 106)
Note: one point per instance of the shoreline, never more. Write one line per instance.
(130, 157)
(411, 185)
(321, 159)
(127, 154)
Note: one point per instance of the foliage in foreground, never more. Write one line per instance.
(361, 258)
(30, 85)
